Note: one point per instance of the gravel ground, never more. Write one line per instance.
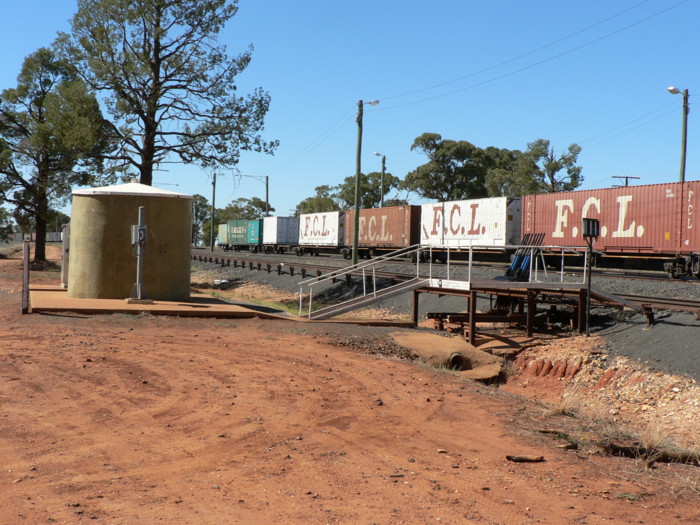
(670, 345)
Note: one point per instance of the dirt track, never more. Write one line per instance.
(120, 419)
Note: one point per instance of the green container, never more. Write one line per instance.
(254, 232)
(237, 231)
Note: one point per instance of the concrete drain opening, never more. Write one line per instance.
(458, 362)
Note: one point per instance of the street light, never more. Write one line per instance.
(381, 184)
(684, 138)
(358, 162)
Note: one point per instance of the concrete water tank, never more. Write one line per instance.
(102, 258)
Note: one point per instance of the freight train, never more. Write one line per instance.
(650, 221)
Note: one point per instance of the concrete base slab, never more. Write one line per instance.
(44, 299)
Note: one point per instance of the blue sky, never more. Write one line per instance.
(498, 73)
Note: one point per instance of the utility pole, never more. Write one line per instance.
(684, 130)
(213, 197)
(626, 177)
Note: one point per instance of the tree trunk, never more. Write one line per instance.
(40, 245)
(42, 211)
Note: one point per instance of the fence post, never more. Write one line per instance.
(25, 278)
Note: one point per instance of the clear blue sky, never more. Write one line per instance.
(499, 73)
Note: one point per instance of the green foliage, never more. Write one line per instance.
(52, 135)
(370, 190)
(200, 213)
(395, 202)
(170, 86)
(548, 177)
(455, 169)
(6, 225)
(459, 170)
(511, 172)
(324, 200)
(253, 208)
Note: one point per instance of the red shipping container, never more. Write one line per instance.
(393, 227)
(657, 218)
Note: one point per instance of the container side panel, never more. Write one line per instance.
(459, 224)
(237, 231)
(690, 222)
(514, 221)
(254, 231)
(381, 227)
(321, 229)
(222, 234)
(641, 219)
(280, 230)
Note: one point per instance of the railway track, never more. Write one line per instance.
(308, 267)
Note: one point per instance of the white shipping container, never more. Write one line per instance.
(280, 230)
(493, 222)
(322, 229)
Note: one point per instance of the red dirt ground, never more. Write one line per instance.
(142, 419)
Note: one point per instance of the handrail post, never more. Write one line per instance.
(364, 283)
(561, 273)
(430, 263)
(311, 294)
(374, 282)
(448, 263)
(418, 254)
(471, 253)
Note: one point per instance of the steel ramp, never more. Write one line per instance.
(358, 302)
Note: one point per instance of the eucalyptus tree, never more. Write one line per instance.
(52, 135)
(168, 84)
(549, 178)
(200, 213)
(324, 200)
(370, 189)
(455, 169)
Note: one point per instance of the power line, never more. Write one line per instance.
(535, 64)
(518, 57)
(626, 177)
(628, 130)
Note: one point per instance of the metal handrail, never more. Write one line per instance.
(363, 266)
(536, 253)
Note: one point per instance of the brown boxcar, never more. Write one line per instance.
(653, 219)
(389, 228)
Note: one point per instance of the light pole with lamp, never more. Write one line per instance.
(684, 133)
(381, 183)
(358, 164)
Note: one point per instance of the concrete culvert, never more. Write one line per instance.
(453, 353)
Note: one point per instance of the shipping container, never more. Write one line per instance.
(237, 232)
(653, 219)
(492, 222)
(254, 232)
(280, 231)
(222, 235)
(325, 229)
(389, 228)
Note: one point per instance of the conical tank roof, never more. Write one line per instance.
(132, 188)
